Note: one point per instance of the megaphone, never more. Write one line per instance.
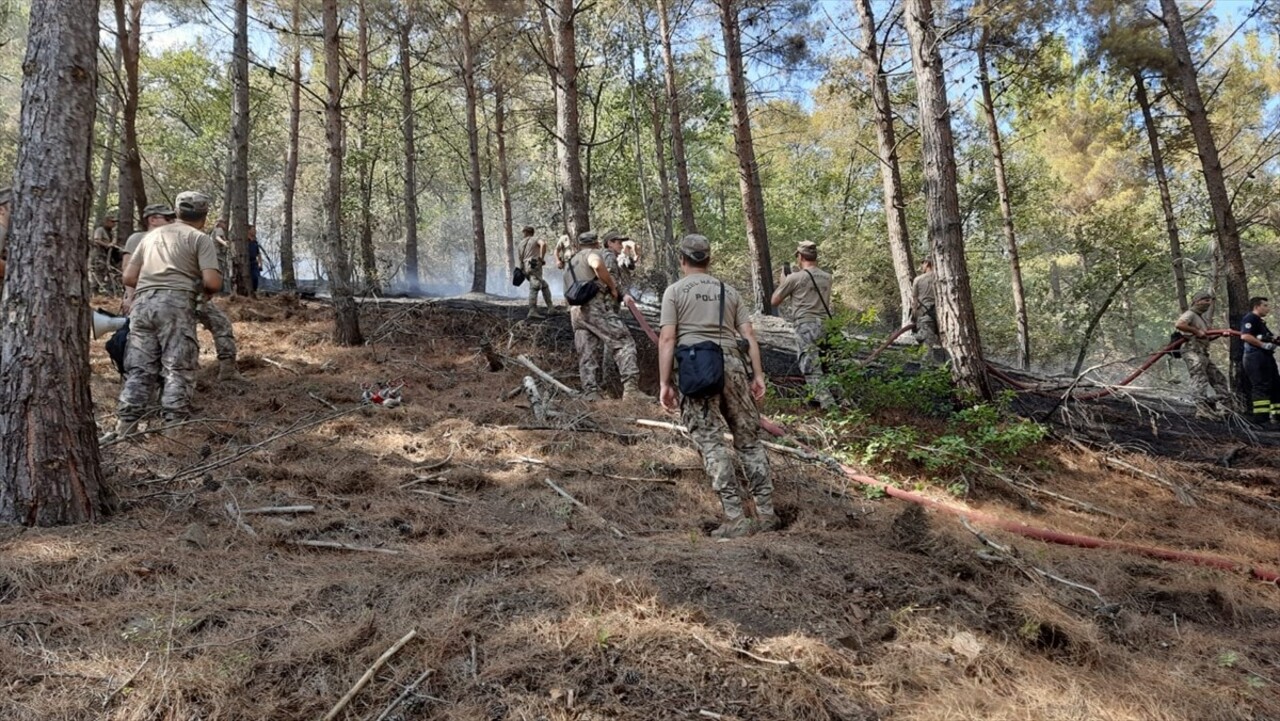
(104, 322)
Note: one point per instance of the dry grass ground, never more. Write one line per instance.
(529, 608)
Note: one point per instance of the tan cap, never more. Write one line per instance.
(695, 247)
(1202, 295)
(588, 237)
(808, 250)
(611, 235)
(189, 201)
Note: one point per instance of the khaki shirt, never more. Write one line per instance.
(807, 302)
(103, 237)
(131, 245)
(172, 257)
(922, 289)
(1197, 321)
(582, 270)
(692, 305)
(564, 250)
(529, 249)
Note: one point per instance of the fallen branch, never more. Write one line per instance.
(539, 404)
(337, 545)
(313, 396)
(1183, 496)
(587, 471)
(280, 365)
(400, 699)
(268, 510)
(1009, 555)
(111, 696)
(236, 517)
(437, 464)
(547, 377)
(584, 507)
(368, 675)
(442, 496)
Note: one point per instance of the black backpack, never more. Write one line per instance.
(116, 345)
(701, 365)
(580, 292)
(517, 276)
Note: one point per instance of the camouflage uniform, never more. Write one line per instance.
(809, 333)
(216, 321)
(162, 339)
(100, 271)
(596, 327)
(733, 411)
(531, 262)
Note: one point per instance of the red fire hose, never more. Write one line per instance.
(1047, 535)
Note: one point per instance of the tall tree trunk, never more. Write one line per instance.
(1006, 207)
(1225, 228)
(568, 128)
(642, 179)
(688, 223)
(480, 267)
(346, 325)
(133, 193)
(748, 169)
(368, 260)
(504, 175)
(895, 204)
(1162, 181)
(667, 249)
(110, 149)
(238, 226)
(49, 464)
(410, 157)
(288, 277)
(942, 205)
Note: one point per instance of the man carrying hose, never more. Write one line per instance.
(1260, 362)
(1208, 385)
(809, 288)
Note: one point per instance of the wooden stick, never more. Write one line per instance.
(280, 365)
(368, 675)
(337, 545)
(584, 507)
(317, 398)
(437, 464)
(547, 377)
(265, 510)
(400, 699)
(234, 511)
(536, 401)
(587, 472)
(441, 496)
(1181, 493)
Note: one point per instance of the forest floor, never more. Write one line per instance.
(185, 605)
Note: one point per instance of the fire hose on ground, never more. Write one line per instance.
(1046, 535)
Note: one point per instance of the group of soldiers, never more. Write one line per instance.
(106, 255)
(1209, 388)
(170, 272)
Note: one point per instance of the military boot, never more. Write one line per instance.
(535, 314)
(767, 522)
(227, 370)
(590, 395)
(631, 391)
(736, 528)
(123, 428)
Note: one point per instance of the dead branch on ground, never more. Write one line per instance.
(368, 675)
(585, 508)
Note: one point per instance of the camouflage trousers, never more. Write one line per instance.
(104, 279)
(734, 412)
(212, 317)
(533, 274)
(596, 326)
(162, 340)
(1208, 384)
(927, 328)
(809, 334)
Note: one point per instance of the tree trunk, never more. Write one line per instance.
(110, 149)
(133, 193)
(669, 254)
(49, 463)
(288, 278)
(1097, 317)
(688, 223)
(1224, 221)
(1006, 208)
(1162, 181)
(642, 180)
(504, 175)
(895, 204)
(368, 259)
(568, 130)
(480, 268)
(410, 158)
(748, 169)
(238, 225)
(942, 205)
(346, 326)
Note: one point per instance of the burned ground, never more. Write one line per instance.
(183, 606)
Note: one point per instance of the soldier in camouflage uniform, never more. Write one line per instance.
(924, 311)
(691, 314)
(100, 251)
(208, 314)
(809, 288)
(596, 324)
(532, 255)
(564, 251)
(169, 269)
(1208, 385)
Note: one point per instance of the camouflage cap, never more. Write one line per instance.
(612, 235)
(189, 201)
(696, 248)
(1202, 295)
(807, 250)
(157, 209)
(588, 237)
